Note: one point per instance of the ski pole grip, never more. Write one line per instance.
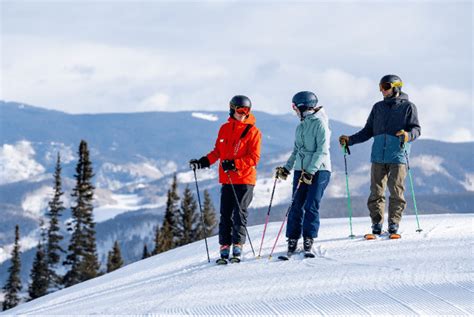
(401, 138)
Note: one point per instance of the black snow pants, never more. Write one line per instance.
(233, 221)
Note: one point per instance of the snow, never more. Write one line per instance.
(17, 163)
(429, 164)
(36, 202)
(205, 116)
(469, 182)
(427, 273)
(122, 204)
(26, 243)
(202, 175)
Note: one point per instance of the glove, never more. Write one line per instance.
(403, 136)
(228, 165)
(203, 162)
(281, 173)
(307, 178)
(344, 140)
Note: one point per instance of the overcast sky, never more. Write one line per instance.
(128, 56)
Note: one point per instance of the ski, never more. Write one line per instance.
(234, 259)
(370, 236)
(309, 254)
(221, 261)
(284, 257)
(394, 236)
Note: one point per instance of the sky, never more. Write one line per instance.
(131, 56)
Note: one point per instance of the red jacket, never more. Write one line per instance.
(245, 151)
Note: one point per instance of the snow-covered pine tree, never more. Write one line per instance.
(39, 271)
(82, 257)
(53, 248)
(188, 221)
(209, 214)
(13, 285)
(145, 254)
(114, 258)
(167, 237)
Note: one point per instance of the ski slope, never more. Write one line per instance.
(428, 273)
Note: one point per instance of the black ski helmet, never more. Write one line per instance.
(239, 101)
(306, 99)
(394, 80)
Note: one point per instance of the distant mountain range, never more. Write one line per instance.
(136, 154)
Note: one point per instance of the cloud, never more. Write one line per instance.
(17, 163)
(143, 61)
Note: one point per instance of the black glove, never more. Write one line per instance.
(307, 178)
(228, 165)
(203, 162)
(282, 173)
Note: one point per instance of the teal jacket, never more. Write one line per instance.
(311, 149)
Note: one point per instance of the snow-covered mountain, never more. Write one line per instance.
(427, 273)
(135, 155)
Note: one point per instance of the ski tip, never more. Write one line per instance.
(394, 236)
(370, 236)
(221, 261)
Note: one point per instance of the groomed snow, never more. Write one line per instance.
(427, 273)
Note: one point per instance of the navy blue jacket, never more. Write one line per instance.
(387, 118)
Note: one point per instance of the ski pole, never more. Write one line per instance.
(268, 216)
(202, 216)
(346, 151)
(286, 215)
(240, 211)
(411, 186)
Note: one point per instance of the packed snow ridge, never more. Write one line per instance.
(427, 273)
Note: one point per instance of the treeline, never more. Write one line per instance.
(182, 224)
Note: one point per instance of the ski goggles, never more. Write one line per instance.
(387, 86)
(242, 110)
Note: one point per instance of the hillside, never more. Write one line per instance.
(427, 273)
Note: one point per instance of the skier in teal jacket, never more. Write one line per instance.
(311, 160)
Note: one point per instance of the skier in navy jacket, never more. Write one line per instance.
(393, 123)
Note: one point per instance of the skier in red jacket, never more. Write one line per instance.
(238, 149)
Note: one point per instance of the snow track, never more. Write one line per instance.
(428, 273)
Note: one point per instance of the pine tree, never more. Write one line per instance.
(13, 284)
(39, 272)
(209, 215)
(53, 248)
(82, 257)
(188, 221)
(168, 235)
(114, 258)
(146, 254)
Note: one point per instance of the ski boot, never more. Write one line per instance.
(236, 253)
(308, 247)
(376, 230)
(225, 251)
(292, 244)
(393, 231)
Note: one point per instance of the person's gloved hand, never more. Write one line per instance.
(307, 178)
(282, 173)
(203, 162)
(403, 136)
(344, 140)
(228, 165)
